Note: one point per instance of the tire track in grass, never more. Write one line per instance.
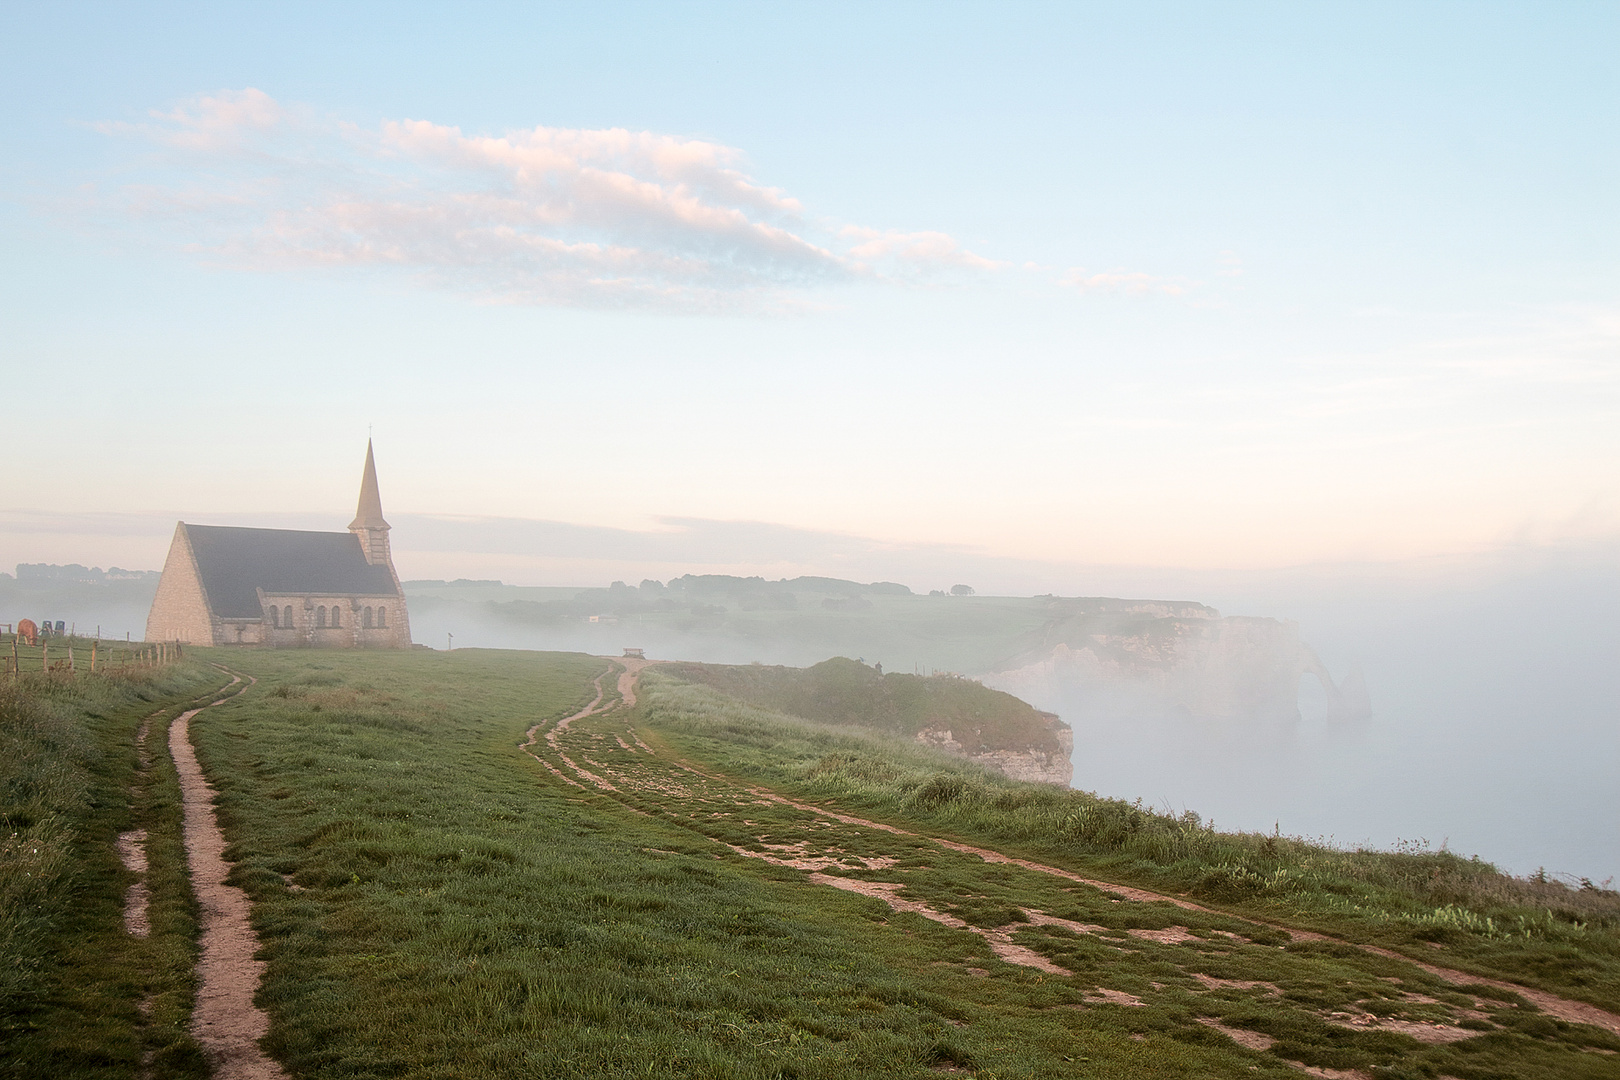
(131, 844)
(1553, 1005)
(226, 1020)
(131, 847)
(999, 938)
(627, 699)
(1561, 1008)
(533, 736)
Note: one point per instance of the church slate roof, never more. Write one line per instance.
(235, 562)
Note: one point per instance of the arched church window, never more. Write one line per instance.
(382, 616)
(320, 616)
(335, 620)
(367, 618)
(286, 616)
(275, 617)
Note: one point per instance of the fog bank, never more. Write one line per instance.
(1494, 683)
(1495, 726)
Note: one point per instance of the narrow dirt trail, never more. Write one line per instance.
(131, 848)
(226, 1021)
(607, 773)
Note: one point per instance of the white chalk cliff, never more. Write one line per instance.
(1174, 657)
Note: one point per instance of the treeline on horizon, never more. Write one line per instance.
(52, 572)
(698, 594)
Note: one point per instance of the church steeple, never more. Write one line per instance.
(368, 524)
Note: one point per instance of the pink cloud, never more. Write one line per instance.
(541, 216)
(923, 250)
(208, 123)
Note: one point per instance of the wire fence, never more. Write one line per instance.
(83, 655)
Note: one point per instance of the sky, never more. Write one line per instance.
(1236, 287)
(1301, 310)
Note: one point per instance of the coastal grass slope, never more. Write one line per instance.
(701, 886)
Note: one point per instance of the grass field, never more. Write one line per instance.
(79, 996)
(1423, 900)
(434, 902)
(843, 692)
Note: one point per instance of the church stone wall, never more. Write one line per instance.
(238, 632)
(351, 631)
(180, 609)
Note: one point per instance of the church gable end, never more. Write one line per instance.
(180, 608)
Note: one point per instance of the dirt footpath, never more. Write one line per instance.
(226, 1021)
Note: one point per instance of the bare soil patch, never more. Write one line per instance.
(999, 939)
(1170, 935)
(1250, 1040)
(132, 853)
(1235, 984)
(1422, 1031)
(1113, 997)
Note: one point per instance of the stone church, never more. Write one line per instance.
(285, 588)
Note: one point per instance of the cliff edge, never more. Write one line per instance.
(947, 712)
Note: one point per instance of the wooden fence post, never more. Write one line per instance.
(93, 645)
(45, 656)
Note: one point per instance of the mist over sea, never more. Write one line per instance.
(1495, 727)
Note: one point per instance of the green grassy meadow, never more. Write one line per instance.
(433, 901)
(73, 983)
(843, 692)
(1422, 901)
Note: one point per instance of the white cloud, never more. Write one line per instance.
(544, 216)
